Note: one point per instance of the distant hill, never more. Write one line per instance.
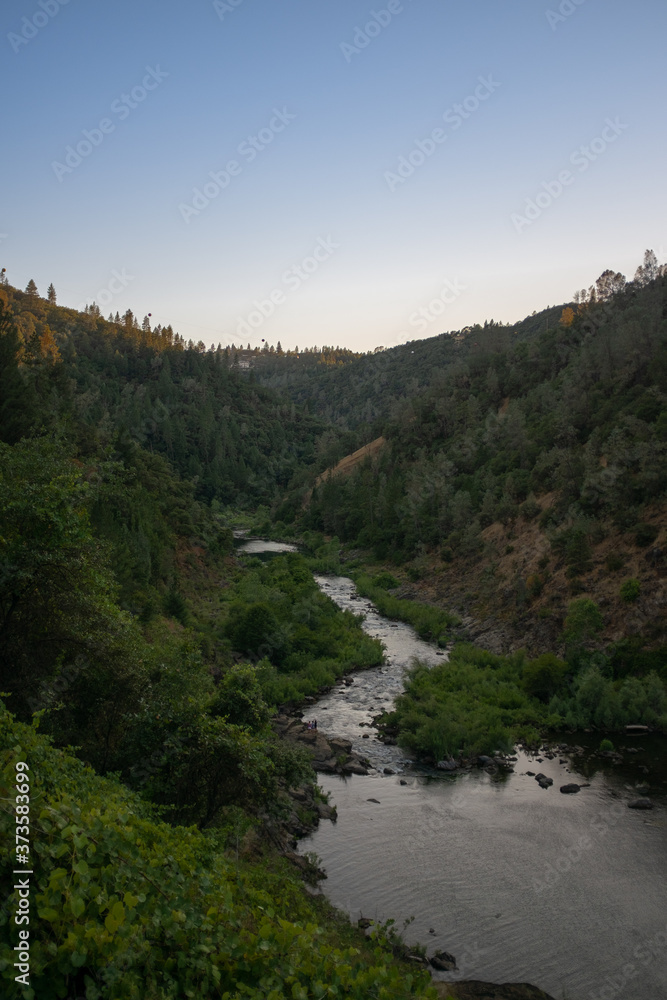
(565, 429)
(240, 442)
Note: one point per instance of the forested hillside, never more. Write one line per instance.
(578, 410)
(112, 379)
(131, 632)
(517, 476)
(360, 394)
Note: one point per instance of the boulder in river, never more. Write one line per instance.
(354, 767)
(443, 961)
(640, 804)
(570, 789)
(543, 781)
(447, 765)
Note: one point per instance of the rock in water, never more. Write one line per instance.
(569, 789)
(543, 781)
(443, 961)
(447, 765)
(640, 804)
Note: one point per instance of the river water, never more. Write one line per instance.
(519, 883)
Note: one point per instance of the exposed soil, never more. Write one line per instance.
(515, 596)
(350, 462)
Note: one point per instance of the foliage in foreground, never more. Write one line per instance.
(125, 906)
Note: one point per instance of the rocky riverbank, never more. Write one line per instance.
(308, 807)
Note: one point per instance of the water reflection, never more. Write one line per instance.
(520, 883)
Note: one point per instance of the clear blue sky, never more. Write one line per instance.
(315, 118)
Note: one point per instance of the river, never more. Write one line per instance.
(519, 883)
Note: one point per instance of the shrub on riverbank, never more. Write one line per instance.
(478, 702)
(301, 640)
(473, 703)
(429, 622)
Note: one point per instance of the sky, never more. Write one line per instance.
(329, 171)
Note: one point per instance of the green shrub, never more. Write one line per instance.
(545, 676)
(530, 508)
(386, 581)
(630, 590)
(582, 624)
(615, 561)
(606, 745)
(175, 607)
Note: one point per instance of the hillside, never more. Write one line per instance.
(529, 474)
(133, 635)
(240, 443)
(519, 482)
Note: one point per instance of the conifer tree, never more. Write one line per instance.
(31, 288)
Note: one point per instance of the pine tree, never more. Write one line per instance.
(31, 288)
(51, 294)
(649, 270)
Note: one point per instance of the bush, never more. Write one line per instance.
(385, 580)
(630, 590)
(545, 676)
(615, 561)
(175, 607)
(239, 699)
(530, 508)
(582, 624)
(606, 745)
(645, 534)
